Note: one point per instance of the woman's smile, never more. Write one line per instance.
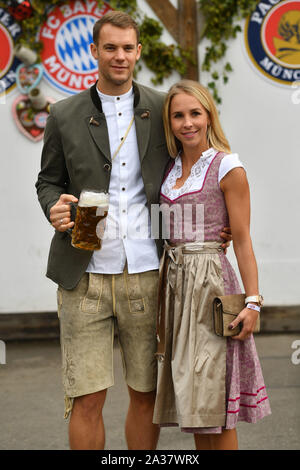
(189, 134)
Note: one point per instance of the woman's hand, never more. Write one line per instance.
(227, 238)
(248, 317)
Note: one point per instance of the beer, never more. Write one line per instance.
(92, 208)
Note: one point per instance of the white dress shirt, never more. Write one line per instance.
(127, 233)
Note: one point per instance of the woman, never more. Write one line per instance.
(206, 383)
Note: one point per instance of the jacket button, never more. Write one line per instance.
(106, 167)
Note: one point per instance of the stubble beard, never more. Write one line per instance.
(115, 80)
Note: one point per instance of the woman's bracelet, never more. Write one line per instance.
(253, 307)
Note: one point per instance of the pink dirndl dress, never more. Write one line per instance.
(246, 394)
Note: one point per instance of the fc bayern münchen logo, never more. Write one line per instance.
(272, 37)
(66, 36)
(9, 31)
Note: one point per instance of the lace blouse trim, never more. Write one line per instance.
(172, 194)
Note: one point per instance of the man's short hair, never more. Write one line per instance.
(118, 19)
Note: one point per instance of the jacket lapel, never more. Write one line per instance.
(142, 119)
(96, 124)
(97, 127)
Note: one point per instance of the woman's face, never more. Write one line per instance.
(189, 121)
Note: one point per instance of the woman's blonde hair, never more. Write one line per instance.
(215, 135)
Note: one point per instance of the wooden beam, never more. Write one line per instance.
(188, 34)
(182, 25)
(167, 14)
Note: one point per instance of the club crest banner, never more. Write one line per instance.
(66, 36)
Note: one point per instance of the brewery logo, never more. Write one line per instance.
(66, 36)
(272, 38)
(9, 31)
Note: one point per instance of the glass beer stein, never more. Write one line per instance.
(92, 207)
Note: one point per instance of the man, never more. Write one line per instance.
(116, 286)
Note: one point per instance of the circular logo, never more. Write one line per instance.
(66, 36)
(9, 31)
(40, 119)
(272, 38)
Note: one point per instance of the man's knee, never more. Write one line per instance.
(91, 404)
(142, 401)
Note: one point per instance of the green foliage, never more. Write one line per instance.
(160, 58)
(220, 27)
(130, 6)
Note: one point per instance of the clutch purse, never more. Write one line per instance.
(225, 309)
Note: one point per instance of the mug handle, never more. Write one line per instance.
(73, 215)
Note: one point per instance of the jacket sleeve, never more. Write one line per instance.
(53, 179)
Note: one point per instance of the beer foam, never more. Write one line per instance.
(91, 199)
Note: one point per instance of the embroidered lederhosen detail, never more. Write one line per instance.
(91, 301)
(135, 299)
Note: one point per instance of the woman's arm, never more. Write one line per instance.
(237, 197)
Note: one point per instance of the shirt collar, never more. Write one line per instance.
(97, 102)
(111, 98)
(211, 152)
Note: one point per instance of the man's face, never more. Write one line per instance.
(116, 52)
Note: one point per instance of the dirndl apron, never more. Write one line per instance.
(191, 389)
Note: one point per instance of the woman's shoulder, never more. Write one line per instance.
(229, 161)
(230, 158)
(222, 154)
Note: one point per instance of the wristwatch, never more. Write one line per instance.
(255, 298)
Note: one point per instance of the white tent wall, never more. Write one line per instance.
(261, 122)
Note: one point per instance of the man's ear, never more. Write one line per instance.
(139, 51)
(94, 51)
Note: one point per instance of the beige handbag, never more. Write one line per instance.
(225, 309)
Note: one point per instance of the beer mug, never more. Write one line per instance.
(92, 207)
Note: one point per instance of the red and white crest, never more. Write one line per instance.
(66, 36)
